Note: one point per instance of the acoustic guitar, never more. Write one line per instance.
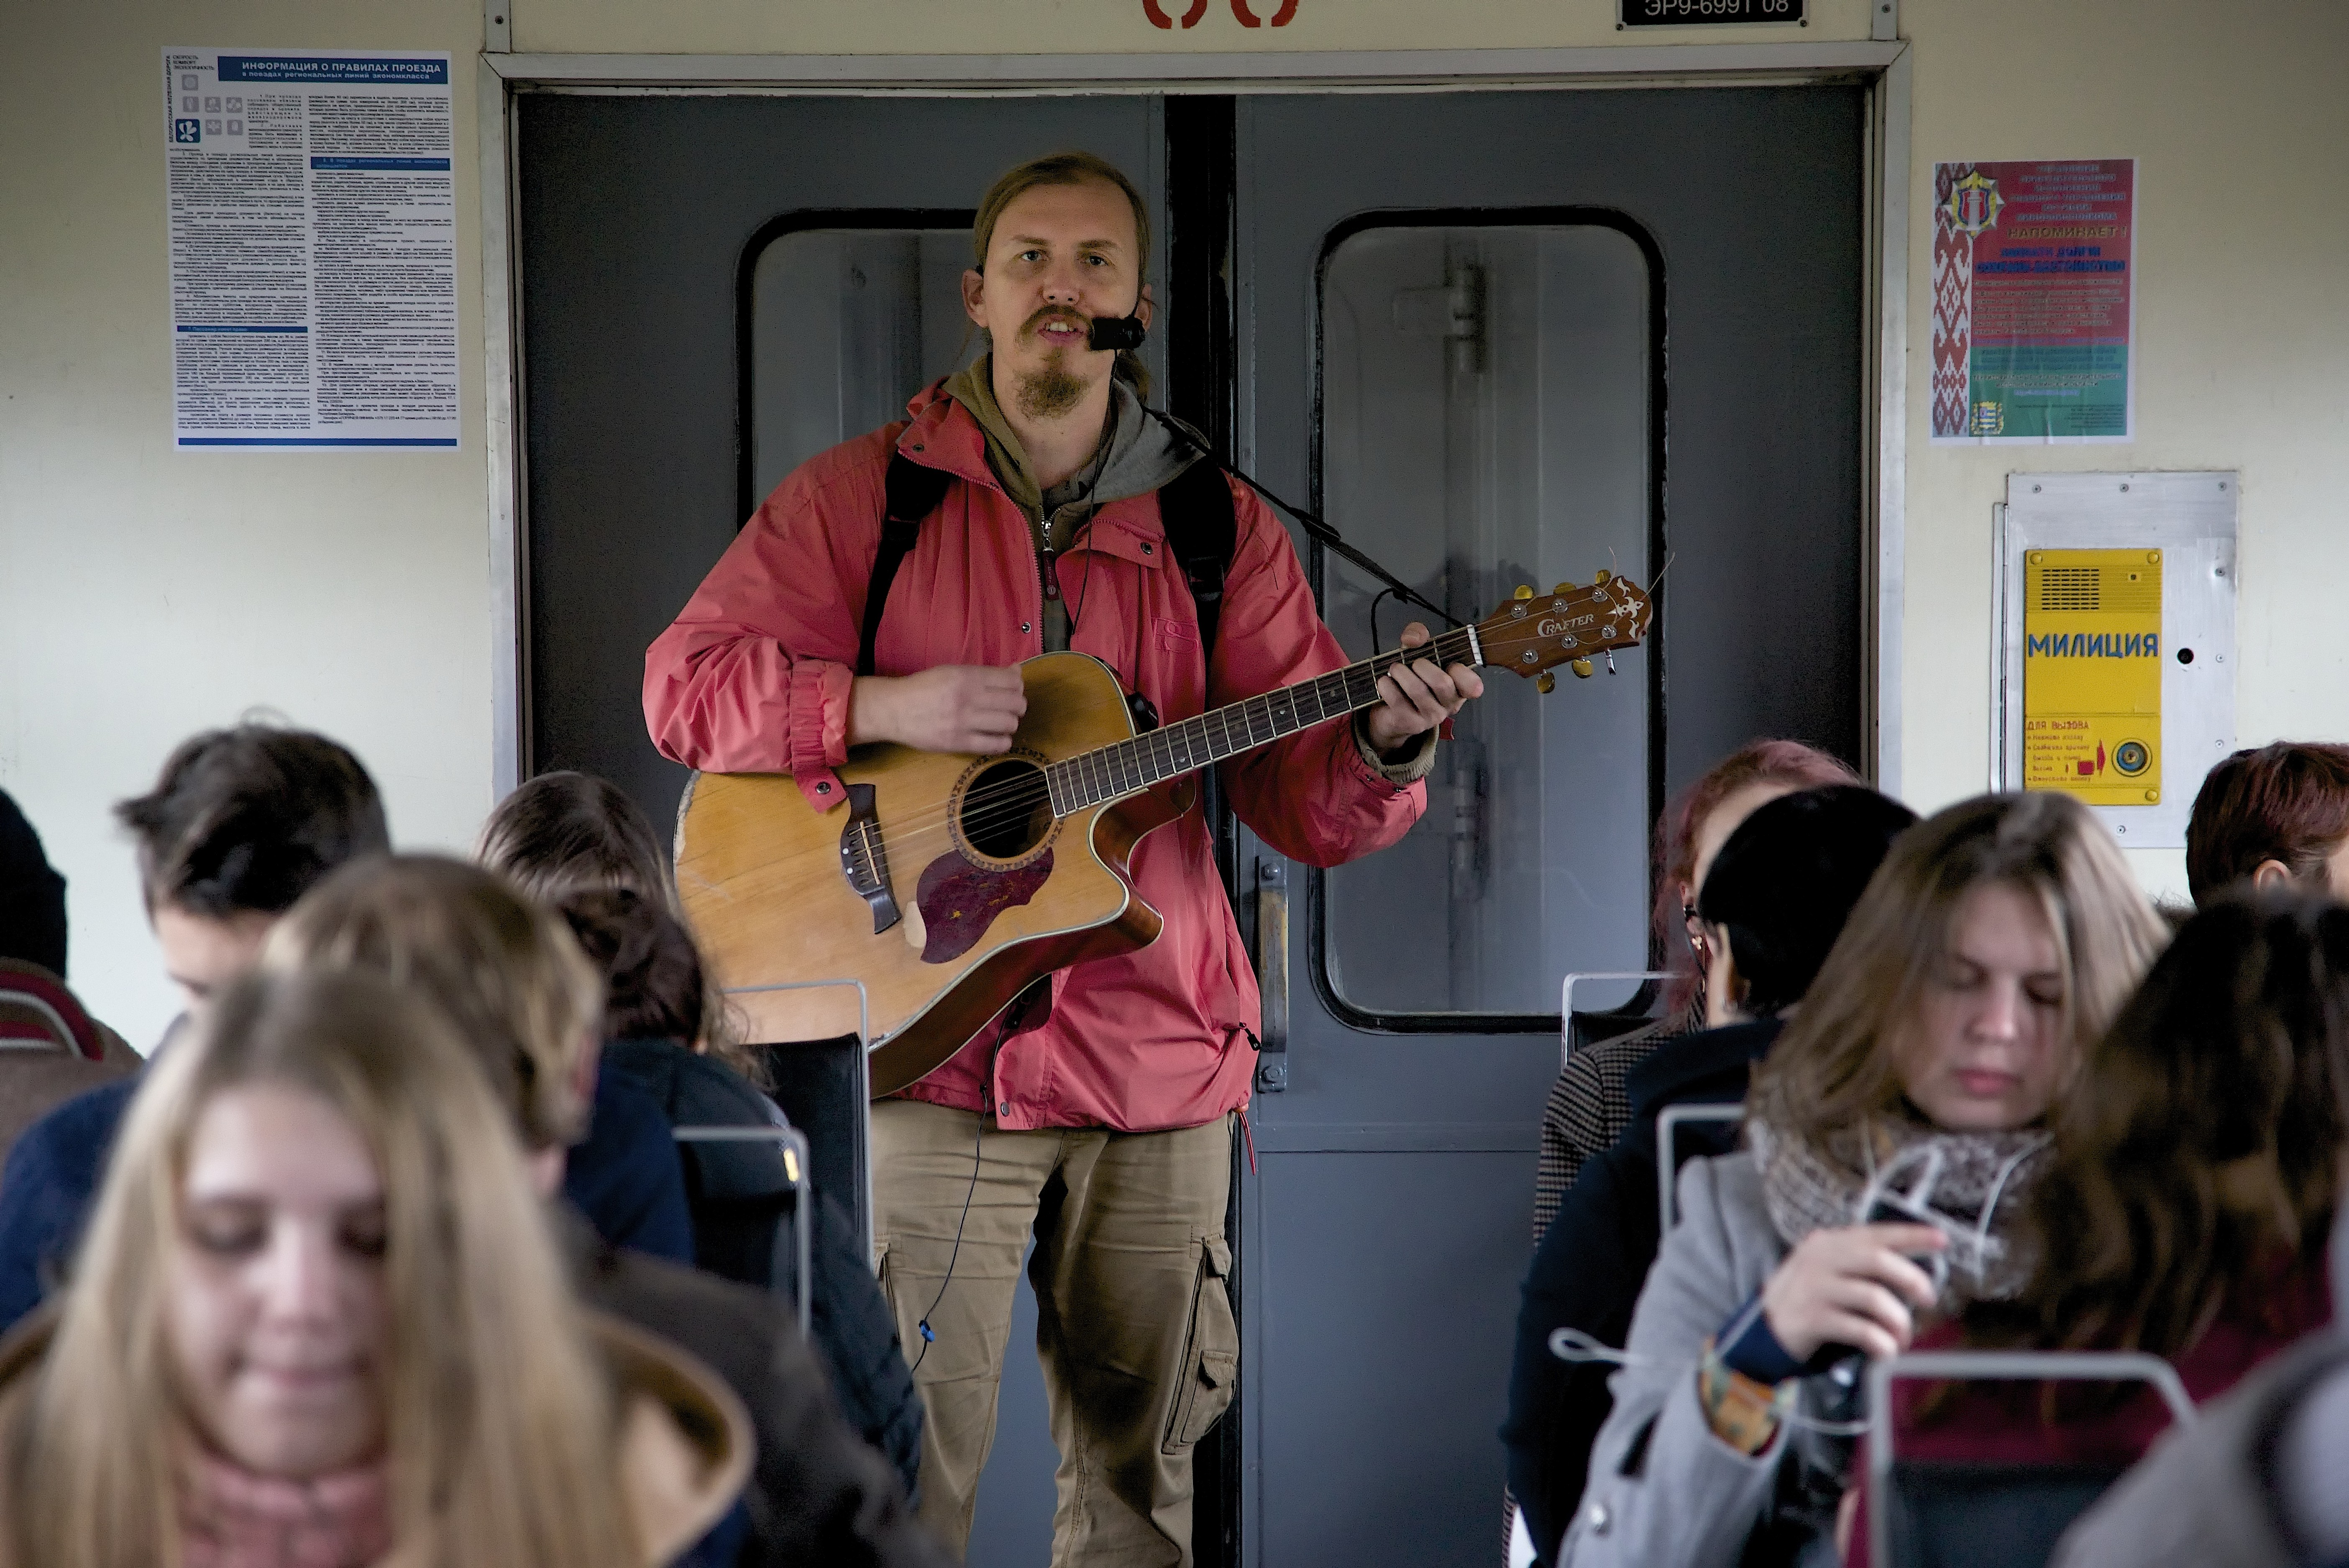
(949, 882)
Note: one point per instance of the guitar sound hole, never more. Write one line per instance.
(1007, 810)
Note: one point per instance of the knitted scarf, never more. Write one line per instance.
(232, 1518)
(1969, 1185)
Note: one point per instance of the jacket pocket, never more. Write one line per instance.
(1211, 1352)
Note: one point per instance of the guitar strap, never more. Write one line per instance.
(912, 493)
(1194, 506)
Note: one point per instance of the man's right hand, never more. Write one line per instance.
(954, 708)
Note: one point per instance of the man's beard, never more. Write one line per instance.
(1048, 393)
(1052, 390)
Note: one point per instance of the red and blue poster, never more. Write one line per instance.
(2034, 288)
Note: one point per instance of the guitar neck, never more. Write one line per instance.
(1129, 767)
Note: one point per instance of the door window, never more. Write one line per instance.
(845, 322)
(1487, 423)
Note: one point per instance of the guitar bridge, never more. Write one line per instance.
(864, 859)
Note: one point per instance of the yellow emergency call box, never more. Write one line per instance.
(2091, 640)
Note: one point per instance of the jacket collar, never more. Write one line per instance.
(942, 434)
(1673, 1068)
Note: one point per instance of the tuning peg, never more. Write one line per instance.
(1604, 577)
(1544, 682)
(1565, 587)
(1581, 667)
(1525, 590)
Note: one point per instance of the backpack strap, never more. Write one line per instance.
(913, 493)
(1203, 530)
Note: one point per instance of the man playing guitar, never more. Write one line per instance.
(1098, 1116)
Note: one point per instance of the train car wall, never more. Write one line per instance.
(145, 594)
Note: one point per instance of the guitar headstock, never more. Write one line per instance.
(1531, 633)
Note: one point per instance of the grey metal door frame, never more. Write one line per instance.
(1883, 201)
(1883, 65)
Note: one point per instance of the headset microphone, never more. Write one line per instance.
(1117, 331)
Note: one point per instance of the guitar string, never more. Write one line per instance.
(976, 814)
(982, 811)
(988, 806)
(998, 806)
(1001, 806)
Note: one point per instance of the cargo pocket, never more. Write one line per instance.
(1211, 1352)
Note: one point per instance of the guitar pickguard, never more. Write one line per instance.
(959, 900)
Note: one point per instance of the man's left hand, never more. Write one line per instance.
(1419, 697)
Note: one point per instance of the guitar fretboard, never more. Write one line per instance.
(1129, 767)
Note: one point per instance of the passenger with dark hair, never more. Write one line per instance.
(240, 824)
(2274, 815)
(1773, 903)
(2188, 1206)
(529, 1005)
(1590, 1106)
(654, 1037)
(566, 831)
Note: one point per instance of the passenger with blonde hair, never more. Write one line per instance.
(2187, 1207)
(319, 1320)
(517, 985)
(529, 1005)
(1893, 1135)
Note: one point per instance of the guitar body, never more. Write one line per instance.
(990, 891)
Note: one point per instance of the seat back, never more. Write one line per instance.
(1925, 1513)
(825, 1088)
(1581, 1029)
(37, 1013)
(822, 1087)
(753, 1207)
(1684, 1132)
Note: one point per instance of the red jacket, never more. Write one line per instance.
(754, 677)
(1990, 1423)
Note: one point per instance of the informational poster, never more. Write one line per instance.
(2034, 289)
(2091, 674)
(314, 249)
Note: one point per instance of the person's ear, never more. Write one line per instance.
(974, 295)
(1145, 309)
(2271, 874)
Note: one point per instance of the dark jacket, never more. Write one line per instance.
(1592, 1263)
(625, 1178)
(849, 1318)
(817, 1494)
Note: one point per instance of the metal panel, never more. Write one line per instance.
(1375, 1384)
(2191, 518)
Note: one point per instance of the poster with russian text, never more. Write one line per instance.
(313, 209)
(2034, 296)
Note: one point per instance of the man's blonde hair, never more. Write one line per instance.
(1071, 169)
(505, 970)
(500, 1422)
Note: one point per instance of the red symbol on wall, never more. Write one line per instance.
(1240, 13)
(2090, 769)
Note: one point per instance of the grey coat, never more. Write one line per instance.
(2195, 1501)
(1690, 1500)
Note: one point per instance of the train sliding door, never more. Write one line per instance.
(1505, 339)
(1499, 338)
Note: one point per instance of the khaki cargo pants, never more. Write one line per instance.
(1134, 1329)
